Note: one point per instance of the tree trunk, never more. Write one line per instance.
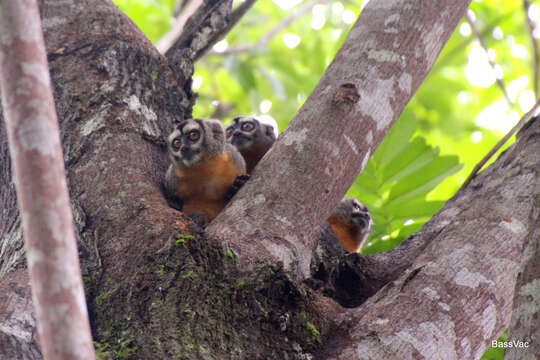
(159, 287)
(40, 179)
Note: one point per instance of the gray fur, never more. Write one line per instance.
(214, 139)
(236, 157)
(171, 182)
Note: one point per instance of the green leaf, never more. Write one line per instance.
(413, 157)
(395, 141)
(424, 179)
(417, 208)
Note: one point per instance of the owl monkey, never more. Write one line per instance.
(345, 231)
(351, 223)
(251, 137)
(205, 170)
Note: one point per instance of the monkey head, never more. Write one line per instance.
(246, 131)
(351, 222)
(194, 140)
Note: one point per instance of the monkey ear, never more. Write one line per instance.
(269, 131)
(178, 124)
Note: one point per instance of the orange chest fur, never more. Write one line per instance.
(348, 237)
(208, 181)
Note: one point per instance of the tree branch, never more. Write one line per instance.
(167, 40)
(457, 295)
(265, 39)
(501, 142)
(480, 38)
(207, 26)
(332, 136)
(351, 279)
(525, 321)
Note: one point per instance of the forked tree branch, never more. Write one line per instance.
(213, 20)
(457, 295)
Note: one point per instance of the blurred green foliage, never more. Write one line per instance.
(456, 116)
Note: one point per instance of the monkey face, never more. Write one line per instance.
(360, 215)
(243, 131)
(186, 143)
(353, 213)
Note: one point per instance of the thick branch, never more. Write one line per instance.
(18, 335)
(213, 20)
(384, 59)
(457, 296)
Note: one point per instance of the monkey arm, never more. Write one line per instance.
(236, 185)
(169, 190)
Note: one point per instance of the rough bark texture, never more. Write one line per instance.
(457, 296)
(202, 31)
(157, 287)
(18, 330)
(350, 279)
(525, 321)
(38, 164)
(332, 136)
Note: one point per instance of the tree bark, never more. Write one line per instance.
(525, 321)
(158, 287)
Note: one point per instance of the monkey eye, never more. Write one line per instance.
(229, 131)
(362, 207)
(177, 143)
(247, 126)
(194, 135)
